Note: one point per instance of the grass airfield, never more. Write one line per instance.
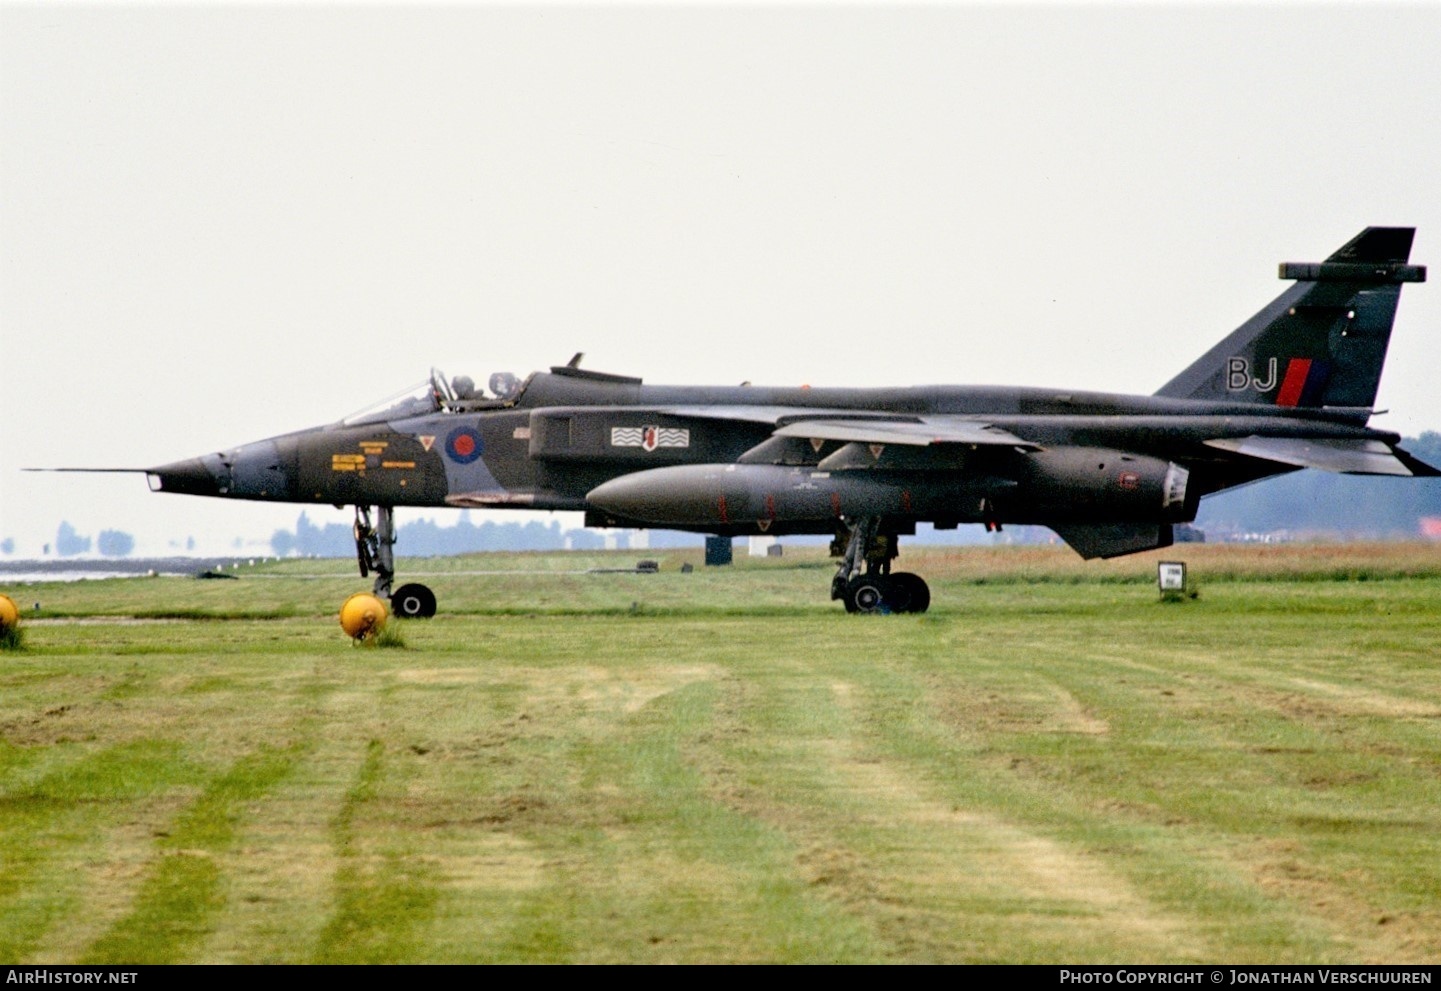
(1050, 766)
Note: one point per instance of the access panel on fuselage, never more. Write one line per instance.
(370, 466)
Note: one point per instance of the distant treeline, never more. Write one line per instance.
(425, 538)
(69, 543)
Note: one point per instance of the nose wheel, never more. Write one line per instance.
(413, 602)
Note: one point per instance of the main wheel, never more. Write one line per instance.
(911, 593)
(866, 594)
(413, 602)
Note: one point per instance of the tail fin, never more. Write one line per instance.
(1322, 342)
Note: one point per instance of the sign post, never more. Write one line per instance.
(1171, 580)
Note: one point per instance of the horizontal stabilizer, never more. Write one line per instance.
(921, 432)
(1092, 540)
(1419, 468)
(1347, 456)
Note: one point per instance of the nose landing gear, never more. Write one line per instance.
(375, 550)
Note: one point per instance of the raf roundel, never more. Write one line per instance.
(463, 445)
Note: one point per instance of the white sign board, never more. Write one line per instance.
(1171, 576)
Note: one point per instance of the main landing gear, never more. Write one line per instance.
(375, 548)
(864, 581)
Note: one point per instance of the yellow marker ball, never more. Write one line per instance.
(363, 616)
(9, 613)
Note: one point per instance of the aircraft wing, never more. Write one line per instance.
(920, 431)
(1346, 456)
(745, 414)
(865, 428)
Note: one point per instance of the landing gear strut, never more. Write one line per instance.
(375, 549)
(864, 581)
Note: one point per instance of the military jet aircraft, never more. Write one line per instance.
(1291, 388)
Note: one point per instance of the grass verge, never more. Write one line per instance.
(1038, 770)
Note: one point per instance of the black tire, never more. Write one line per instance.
(913, 589)
(899, 593)
(867, 595)
(413, 602)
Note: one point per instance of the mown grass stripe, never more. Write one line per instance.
(383, 897)
(47, 818)
(184, 888)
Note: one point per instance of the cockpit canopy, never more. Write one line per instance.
(503, 387)
(439, 394)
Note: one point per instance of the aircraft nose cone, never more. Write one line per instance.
(189, 477)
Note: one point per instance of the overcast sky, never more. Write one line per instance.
(219, 224)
